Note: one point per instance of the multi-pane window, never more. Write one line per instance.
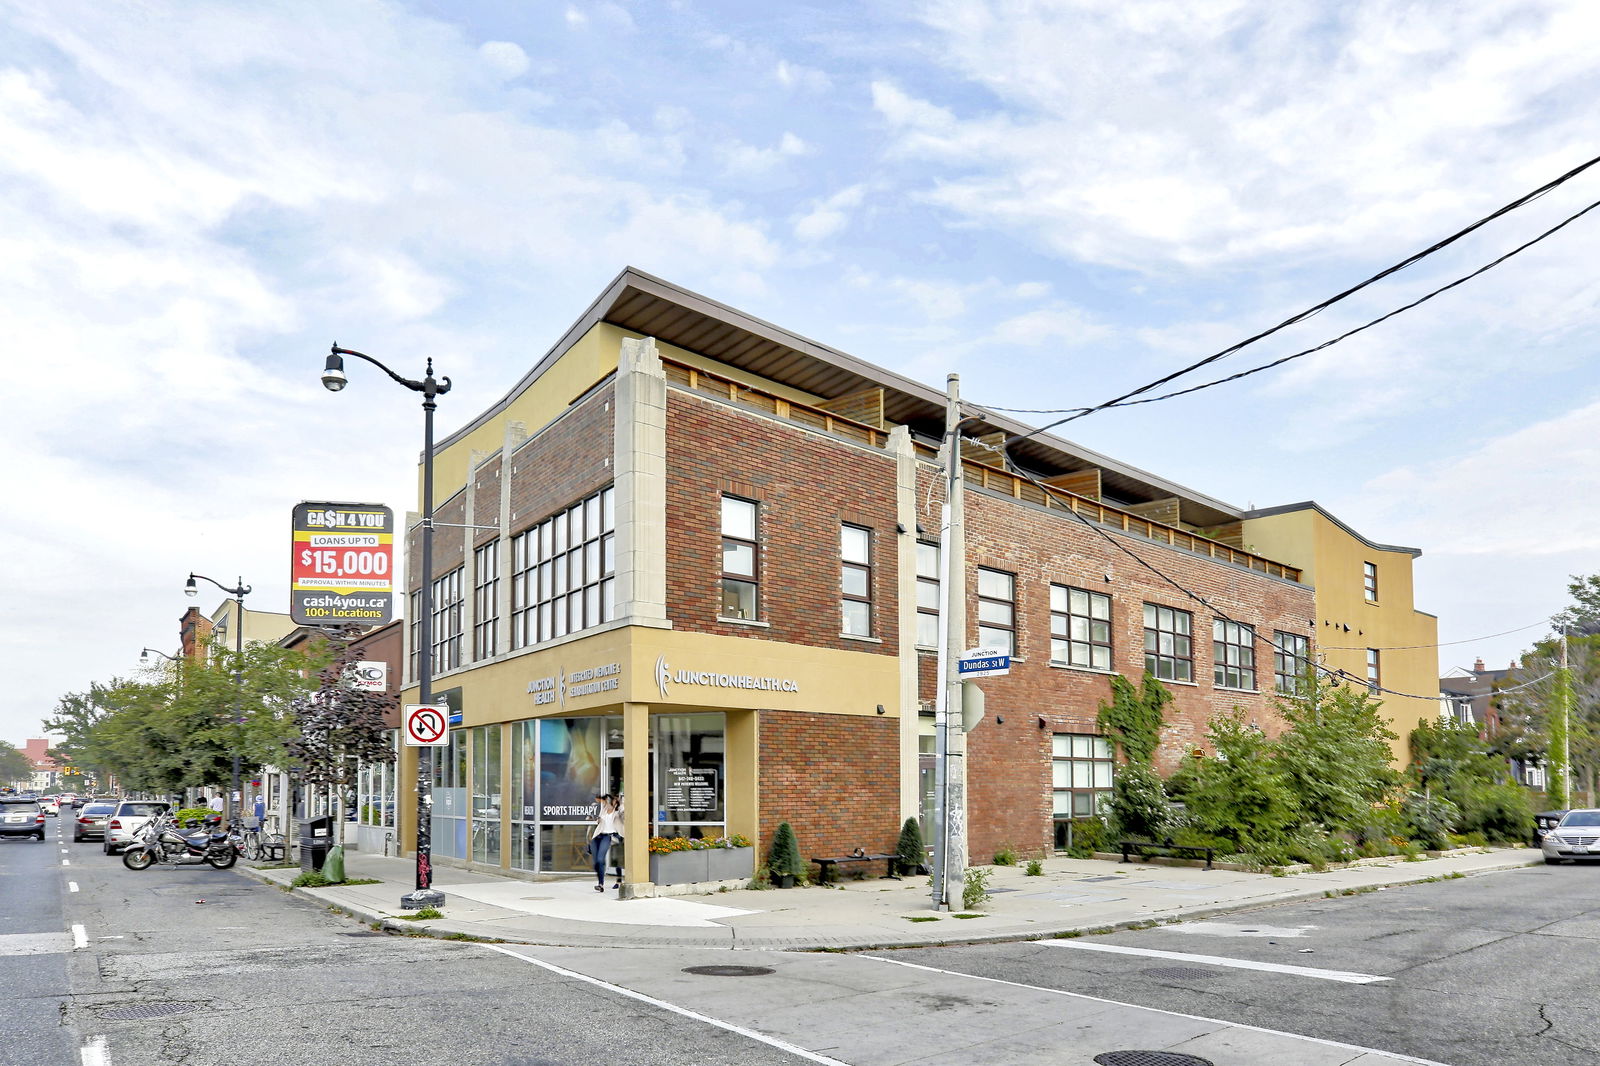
(928, 578)
(414, 627)
(1080, 627)
(740, 552)
(1369, 581)
(1080, 774)
(447, 604)
(1374, 678)
(563, 572)
(997, 610)
(1233, 654)
(485, 599)
(855, 580)
(1168, 643)
(1291, 653)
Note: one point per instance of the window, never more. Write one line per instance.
(563, 572)
(997, 610)
(1233, 654)
(1369, 581)
(1168, 643)
(929, 575)
(1080, 774)
(740, 577)
(855, 580)
(414, 627)
(1080, 627)
(1290, 656)
(485, 599)
(1374, 678)
(447, 604)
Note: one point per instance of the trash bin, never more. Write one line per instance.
(316, 837)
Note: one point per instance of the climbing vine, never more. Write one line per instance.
(1133, 718)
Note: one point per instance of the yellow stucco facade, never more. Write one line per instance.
(1350, 621)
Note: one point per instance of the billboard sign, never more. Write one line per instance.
(342, 564)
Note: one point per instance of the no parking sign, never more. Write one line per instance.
(427, 726)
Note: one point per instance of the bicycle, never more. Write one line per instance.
(258, 845)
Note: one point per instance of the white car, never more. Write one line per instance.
(130, 815)
(1576, 836)
(51, 805)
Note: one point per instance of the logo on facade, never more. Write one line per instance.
(555, 688)
(665, 676)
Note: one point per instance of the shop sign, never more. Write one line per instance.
(554, 690)
(666, 675)
(691, 788)
(369, 676)
(341, 564)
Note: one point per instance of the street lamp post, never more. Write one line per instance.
(333, 379)
(238, 592)
(145, 653)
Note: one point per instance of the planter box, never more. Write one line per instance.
(711, 864)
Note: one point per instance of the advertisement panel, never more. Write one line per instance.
(342, 564)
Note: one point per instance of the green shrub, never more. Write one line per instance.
(1241, 794)
(192, 814)
(1088, 836)
(1431, 817)
(910, 851)
(1496, 812)
(310, 879)
(1006, 856)
(785, 856)
(1335, 756)
(1035, 868)
(1138, 807)
(975, 888)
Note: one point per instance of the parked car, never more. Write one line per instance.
(129, 815)
(21, 818)
(1543, 822)
(90, 821)
(1575, 837)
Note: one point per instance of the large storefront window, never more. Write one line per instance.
(690, 767)
(486, 794)
(376, 789)
(567, 779)
(448, 821)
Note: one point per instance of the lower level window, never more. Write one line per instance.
(1080, 771)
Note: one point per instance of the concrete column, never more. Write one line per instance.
(905, 499)
(635, 795)
(516, 433)
(469, 558)
(641, 484)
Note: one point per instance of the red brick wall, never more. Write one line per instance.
(806, 485)
(832, 778)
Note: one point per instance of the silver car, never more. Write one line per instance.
(1576, 836)
(129, 815)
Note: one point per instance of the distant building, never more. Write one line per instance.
(1468, 697)
(46, 770)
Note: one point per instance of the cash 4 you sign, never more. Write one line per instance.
(342, 564)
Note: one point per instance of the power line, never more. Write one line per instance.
(1448, 643)
(1319, 307)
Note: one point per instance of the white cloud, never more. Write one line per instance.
(505, 58)
(746, 159)
(829, 217)
(805, 79)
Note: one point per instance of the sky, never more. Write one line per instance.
(1057, 199)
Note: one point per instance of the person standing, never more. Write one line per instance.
(218, 804)
(606, 835)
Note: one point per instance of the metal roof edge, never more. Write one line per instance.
(1313, 505)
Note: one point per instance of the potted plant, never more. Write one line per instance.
(687, 860)
(909, 853)
(784, 861)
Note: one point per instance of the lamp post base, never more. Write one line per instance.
(420, 898)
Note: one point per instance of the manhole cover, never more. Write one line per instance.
(149, 1010)
(1149, 1058)
(1182, 973)
(728, 971)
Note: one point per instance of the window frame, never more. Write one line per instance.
(1289, 662)
(1154, 657)
(1369, 581)
(1070, 642)
(448, 605)
(863, 568)
(564, 570)
(936, 583)
(1374, 670)
(1239, 637)
(730, 577)
(485, 599)
(1007, 631)
(1101, 754)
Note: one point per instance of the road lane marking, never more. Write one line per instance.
(782, 1045)
(66, 862)
(64, 851)
(1344, 976)
(80, 937)
(1395, 1056)
(94, 1053)
(72, 886)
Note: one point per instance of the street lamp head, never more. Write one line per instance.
(333, 373)
(189, 588)
(144, 656)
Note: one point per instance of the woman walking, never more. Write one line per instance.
(607, 835)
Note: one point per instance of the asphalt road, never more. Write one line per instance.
(34, 939)
(1498, 970)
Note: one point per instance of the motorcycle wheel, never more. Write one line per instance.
(224, 860)
(137, 859)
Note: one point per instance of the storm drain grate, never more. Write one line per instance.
(1149, 1058)
(728, 971)
(1182, 973)
(361, 934)
(148, 1010)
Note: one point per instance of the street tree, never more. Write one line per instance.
(339, 725)
(1532, 695)
(1582, 616)
(15, 769)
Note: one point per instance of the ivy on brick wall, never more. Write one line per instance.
(1133, 718)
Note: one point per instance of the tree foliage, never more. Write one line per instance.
(1582, 616)
(338, 726)
(1242, 793)
(1533, 696)
(15, 769)
(1335, 756)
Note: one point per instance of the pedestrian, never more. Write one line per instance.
(218, 804)
(607, 834)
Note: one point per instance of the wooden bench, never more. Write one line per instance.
(826, 865)
(1144, 847)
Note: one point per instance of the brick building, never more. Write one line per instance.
(693, 557)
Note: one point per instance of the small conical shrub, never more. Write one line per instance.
(909, 852)
(785, 855)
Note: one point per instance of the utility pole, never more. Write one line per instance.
(950, 843)
(1560, 755)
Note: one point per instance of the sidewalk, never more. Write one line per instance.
(1072, 895)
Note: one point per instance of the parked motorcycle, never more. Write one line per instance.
(161, 840)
